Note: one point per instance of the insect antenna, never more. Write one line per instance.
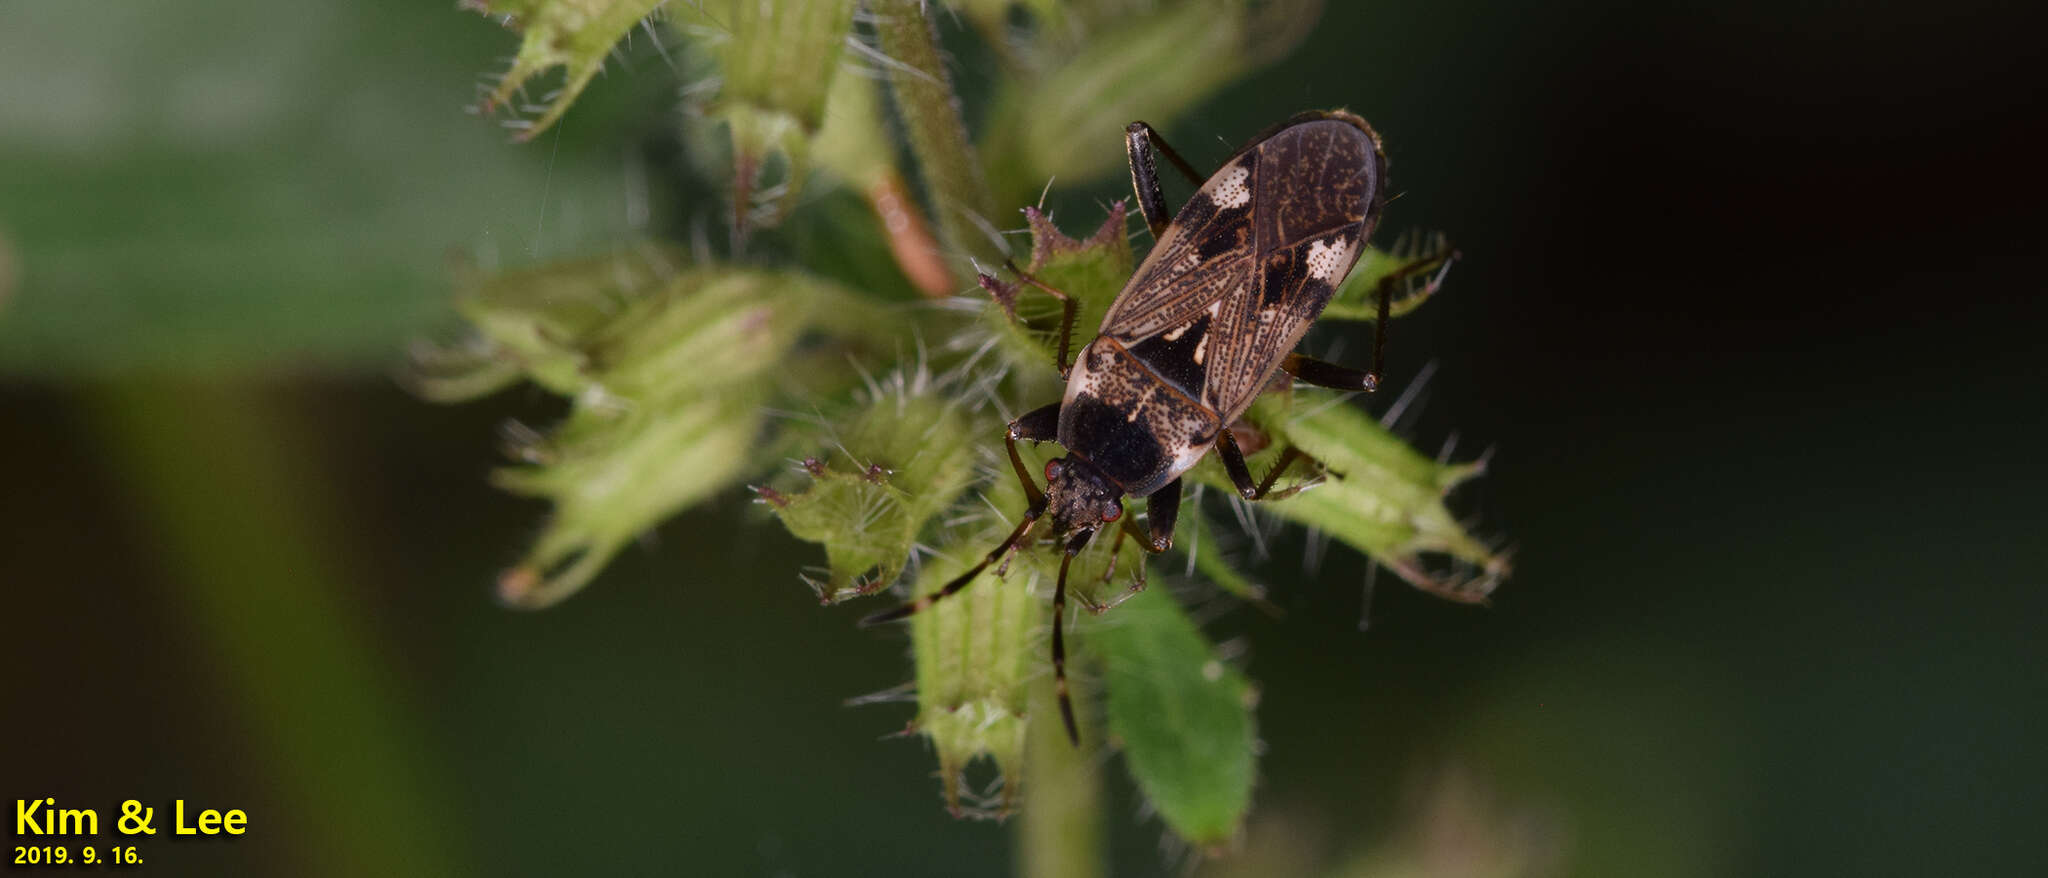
(919, 604)
(1059, 641)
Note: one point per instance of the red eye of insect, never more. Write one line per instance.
(1113, 512)
(1052, 469)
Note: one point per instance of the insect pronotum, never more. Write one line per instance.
(1233, 281)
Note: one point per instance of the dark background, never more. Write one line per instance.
(1748, 315)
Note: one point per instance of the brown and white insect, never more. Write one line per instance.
(1234, 280)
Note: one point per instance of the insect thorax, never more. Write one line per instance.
(1135, 426)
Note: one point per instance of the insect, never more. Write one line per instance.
(1230, 286)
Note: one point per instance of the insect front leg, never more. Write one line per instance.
(1139, 139)
(1116, 552)
(1041, 424)
(1161, 511)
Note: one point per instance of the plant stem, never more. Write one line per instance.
(938, 138)
(1059, 834)
(222, 482)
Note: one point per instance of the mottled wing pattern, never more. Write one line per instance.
(1204, 256)
(1317, 201)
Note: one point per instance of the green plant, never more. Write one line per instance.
(894, 376)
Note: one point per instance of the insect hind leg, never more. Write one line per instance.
(1441, 262)
(1310, 370)
(1139, 141)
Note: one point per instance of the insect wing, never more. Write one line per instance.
(1204, 256)
(1251, 260)
(1316, 200)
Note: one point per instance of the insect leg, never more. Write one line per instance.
(1379, 329)
(1233, 463)
(959, 582)
(1039, 425)
(1145, 178)
(1161, 509)
(1181, 164)
(1068, 309)
(1241, 475)
(1321, 374)
(1310, 370)
(1287, 459)
(1116, 551)
(1441, 262)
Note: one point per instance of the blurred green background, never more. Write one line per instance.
(1749, 315)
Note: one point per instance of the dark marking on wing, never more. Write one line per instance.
(1283, 272)
(1197, 212)
(1316, 177)
(1315, 293)
(1253, 332)
(1171, 354)
(1321, 183)
(1245, 271)
(1192, 265)
(1228, 231)
(1286, 277)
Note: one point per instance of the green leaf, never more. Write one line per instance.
(774, 65)
(668, 409)
(724, 326)
(534, 322)
(575, 35)
(1377, 494)
(776, 57)
(1091, 270)
(1183, 715)
(613, 473)
(975, 652)
(1200, 541)
(902, 459)
(1155, 66)
(278, 194)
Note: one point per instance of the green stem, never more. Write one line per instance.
(938, 138)
(220, 479)
(1059, 834)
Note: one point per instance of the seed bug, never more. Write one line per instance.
(1232, 283)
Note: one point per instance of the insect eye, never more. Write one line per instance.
(1052, 469)
(1112, 512)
